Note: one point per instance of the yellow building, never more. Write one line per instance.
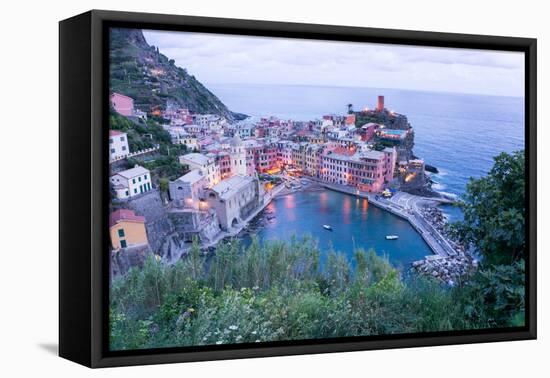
(127, 229)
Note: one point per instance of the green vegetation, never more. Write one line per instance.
(278, 291)
(362, 118)
(143, 135)
(494, 211)
(152, 79)
(381, 144)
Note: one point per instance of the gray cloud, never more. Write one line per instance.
(215, 58)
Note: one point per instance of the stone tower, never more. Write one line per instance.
(238, 156)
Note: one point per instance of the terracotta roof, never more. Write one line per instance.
(115, 132)
(343, 151)
(124, 215)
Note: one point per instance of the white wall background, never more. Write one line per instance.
(29, 143)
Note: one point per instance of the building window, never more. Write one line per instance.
(123, 244)
(134, 181)
(112, 150)
(123, 148)
(135, 190)
(139, 179)
(122, 139)
(121, 233)
(110, 140)
(127, 193)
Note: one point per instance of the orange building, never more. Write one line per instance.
(350, 119)
(127, 229)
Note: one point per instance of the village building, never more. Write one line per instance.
(118, 145)
(122, 104)
(181, 136)
(207, 165)
(238, 156)
(367, 170)
(127, 230)
(187, 191)
(234, 200)
(131, 182)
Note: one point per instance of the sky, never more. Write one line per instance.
(225, 59)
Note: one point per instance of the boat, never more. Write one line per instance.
(327, 227)
(392, 237)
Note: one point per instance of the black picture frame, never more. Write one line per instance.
(83, 196)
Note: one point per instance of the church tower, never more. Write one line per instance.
(238, 156)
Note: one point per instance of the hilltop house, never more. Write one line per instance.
(127, 229)
(118, 145)
(123, 105)
(131, 182)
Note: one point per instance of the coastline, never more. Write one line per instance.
(448, 261)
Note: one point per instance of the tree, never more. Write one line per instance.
(494, 211)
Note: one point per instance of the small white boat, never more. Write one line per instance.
(327, 227)
(392, 237)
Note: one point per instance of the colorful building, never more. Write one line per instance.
(207, 164)
(122, 104)
(367, 170)
(368, 131)
(380, 104)
(127, 229)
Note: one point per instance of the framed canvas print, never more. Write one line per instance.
(234, 188)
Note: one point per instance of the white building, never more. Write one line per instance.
(234, 200)
(118, 145)
(131, 182)
(245, 130)
(238, 156)
(207, 165)
(187, 190)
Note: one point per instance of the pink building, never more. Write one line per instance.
(368, 170)
(368, 131)
(390, 159)
(224, 162)
(123, 105)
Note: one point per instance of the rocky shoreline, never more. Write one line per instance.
(448, 269)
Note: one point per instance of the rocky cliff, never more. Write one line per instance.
(140, 71)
